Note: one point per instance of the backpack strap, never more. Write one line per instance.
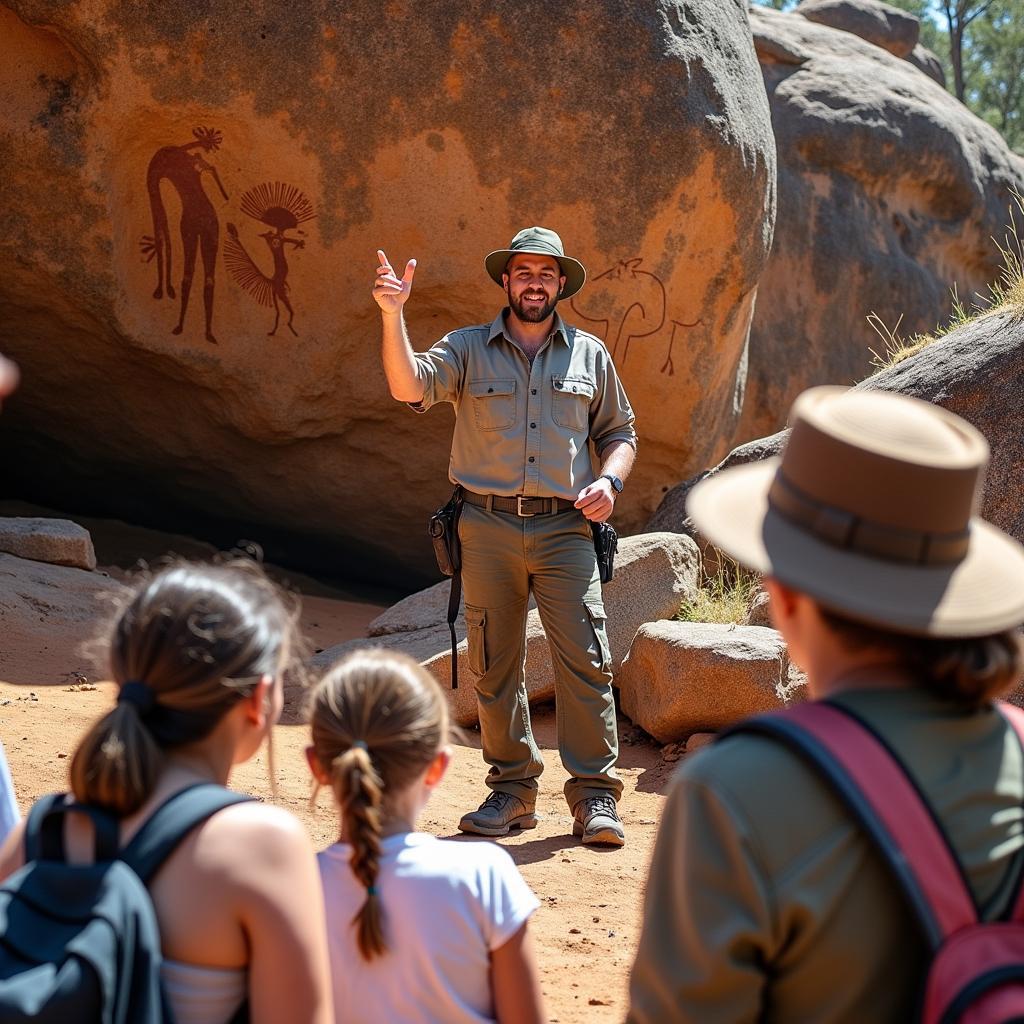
(168, 825)
(44, 829)
(868, 777)
(1015, 717)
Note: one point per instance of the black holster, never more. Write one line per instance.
(606, 543)
(444, 535)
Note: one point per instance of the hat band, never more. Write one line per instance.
(842, 529)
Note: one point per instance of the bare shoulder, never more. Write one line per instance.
(270, 836)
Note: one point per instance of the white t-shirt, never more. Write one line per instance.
(447, 906)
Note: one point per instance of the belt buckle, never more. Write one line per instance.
(520, 498)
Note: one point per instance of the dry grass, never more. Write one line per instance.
(723, 597)
(1007, 292)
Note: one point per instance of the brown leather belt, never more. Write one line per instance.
(518, 505)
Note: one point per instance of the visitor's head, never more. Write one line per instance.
(379, 730)
(867, 532)
(198, 654)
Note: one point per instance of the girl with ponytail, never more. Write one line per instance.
(199, 654)
(419, 929)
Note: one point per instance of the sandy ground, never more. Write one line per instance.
(587, 927)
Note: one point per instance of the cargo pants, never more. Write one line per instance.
(504, 558)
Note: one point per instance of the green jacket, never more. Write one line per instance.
(765, 902)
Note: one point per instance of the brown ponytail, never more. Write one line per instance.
(377, 719)
(192, 641)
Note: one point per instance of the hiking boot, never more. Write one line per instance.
(597, 820)
(498, 815)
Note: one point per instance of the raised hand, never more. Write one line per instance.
(389, 290)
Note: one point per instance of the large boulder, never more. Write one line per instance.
(654, 574)
(49, 615)
(57, 541)
(975, 371)
(882, 24)
(890, 193)
(687, 677)
(267, 152)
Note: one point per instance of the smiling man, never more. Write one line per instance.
(543, 441)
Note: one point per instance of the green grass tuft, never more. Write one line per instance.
(723, 597)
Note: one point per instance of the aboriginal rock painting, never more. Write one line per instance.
(629, 304)
(278, 206)
(184, 167)
(281, 208)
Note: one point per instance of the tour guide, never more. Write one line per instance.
(531, 394)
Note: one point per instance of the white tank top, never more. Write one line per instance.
(203, 995)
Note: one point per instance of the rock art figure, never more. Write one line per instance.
(281, 207)
(184, 166)
(628, 303)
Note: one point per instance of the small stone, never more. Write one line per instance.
(700, 739)
(574, 931)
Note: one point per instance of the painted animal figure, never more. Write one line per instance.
(281, 207)
(183, 166)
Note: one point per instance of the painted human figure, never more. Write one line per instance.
(184, 166)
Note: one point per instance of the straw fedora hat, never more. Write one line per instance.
(871, 511)
(539, 242)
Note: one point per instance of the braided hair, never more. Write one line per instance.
(378, 719)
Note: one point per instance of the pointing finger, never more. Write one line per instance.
(410, 270)
(383, 259)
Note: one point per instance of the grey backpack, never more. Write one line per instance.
(81, 942)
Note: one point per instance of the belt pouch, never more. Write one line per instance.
(606, 543)
(444, 534)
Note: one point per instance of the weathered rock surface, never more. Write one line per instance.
(924, 60)
(687, 677)
(654, 574)
(278, 149)
(890, 192)
(760, 613)
(886, 26)
(975, 371)
(57, 541)
(48, 614)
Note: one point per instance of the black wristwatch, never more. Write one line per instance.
(615, 482)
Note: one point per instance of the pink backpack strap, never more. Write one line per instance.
(1015, 716)
(875, 787)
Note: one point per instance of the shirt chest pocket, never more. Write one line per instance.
(570, 402)
(494, 403)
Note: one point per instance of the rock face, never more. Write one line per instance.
(924, 60)
(654, 574)
(48, 615)
(975, 371)
(890, 192)
(57, 541)
(885, 26)
(250, 161)
(687, 677)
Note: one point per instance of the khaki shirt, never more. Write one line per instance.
(523, 428)
(766, 903)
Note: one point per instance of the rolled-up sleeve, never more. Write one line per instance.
(611, 415)
(442, 369)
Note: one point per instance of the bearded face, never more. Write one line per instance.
(533, 284)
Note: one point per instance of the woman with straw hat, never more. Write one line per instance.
(766, 899)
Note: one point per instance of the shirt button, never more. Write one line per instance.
(533, 391)
(532, 459)
(490, 391)
(533, 426)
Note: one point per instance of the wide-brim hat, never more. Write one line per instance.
(539, 242)
(871, 511)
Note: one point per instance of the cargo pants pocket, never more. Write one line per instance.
(595, 612)
(476, 642)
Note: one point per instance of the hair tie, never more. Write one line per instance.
(361, 744)
(371, 890)
(139, 694)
